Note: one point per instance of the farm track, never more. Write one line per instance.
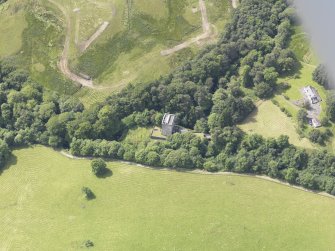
(205, 35)
(99, 31)
(63, 63)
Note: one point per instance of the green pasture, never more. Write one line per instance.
(127, 51)
(12, 24)
(269, 121)
(302, 78)
(42, 208)
(137, 135)
(300, 44)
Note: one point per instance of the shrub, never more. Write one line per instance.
(275, 102)
(320, 76)
(302, 118)
(89, 195)
(325, 122)
(99, 167)
(211, 166)
(88, 244)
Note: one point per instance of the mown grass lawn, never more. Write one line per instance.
(269, 121)
(143, 209)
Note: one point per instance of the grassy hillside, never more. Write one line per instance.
(138, 32)
(128, 50)
(300, 44)
(269, 121)
(12, 20)
(141, 209)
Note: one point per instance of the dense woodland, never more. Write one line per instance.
(211, 93)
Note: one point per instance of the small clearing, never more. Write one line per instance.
(206, 27)
(269, 121)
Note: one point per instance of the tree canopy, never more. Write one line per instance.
(212, 93)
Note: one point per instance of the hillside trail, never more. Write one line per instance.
(63, 63)
(206, 27)
(203, 172)
(100, 30)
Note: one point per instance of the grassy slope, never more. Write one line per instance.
(303, 50)
(134, 51)
(300, 44)
(269, 121)
(13, 23)
(266, 120)
(143, 35)
(141, 209)
(128, 50)
(132, 41)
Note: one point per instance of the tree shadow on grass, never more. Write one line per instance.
(10, 162)
(91, 197)
(107, 173)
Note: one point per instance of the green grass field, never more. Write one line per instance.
(42, 208)
(127, 51)
(269, 121)
(13, 23)
(300, 44)
(144, 29)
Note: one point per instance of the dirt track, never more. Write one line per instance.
(99, 31)
(63, 63)
(206, 27)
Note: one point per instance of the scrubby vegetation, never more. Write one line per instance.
(88, 194)
(212, 93)
(320, 76)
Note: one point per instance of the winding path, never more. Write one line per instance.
(63, 63)
(206, 27)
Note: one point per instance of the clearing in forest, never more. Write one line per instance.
(269, 121)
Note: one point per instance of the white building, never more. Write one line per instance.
(312, 94)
